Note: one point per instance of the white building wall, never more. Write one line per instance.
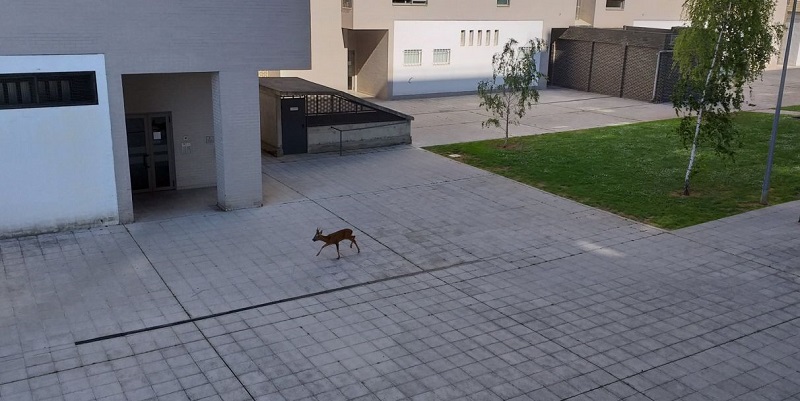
(660, 24)
(57, 162)
(468, 64)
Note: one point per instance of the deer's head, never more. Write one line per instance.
(317, 235)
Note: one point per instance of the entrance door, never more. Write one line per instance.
(150, 152)
(293, 126)
(351, 69)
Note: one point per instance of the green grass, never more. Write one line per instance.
(637, 170)
(791, 108)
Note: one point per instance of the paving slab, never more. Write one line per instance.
(452, 119)
(468, 286)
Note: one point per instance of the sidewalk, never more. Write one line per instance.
(468, 286)
(453, 119)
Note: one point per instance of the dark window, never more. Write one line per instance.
(615, 4)
(409, 1)
(21, 91)
(503, 2)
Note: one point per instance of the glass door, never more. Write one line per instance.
(138, 154)
(150, 152)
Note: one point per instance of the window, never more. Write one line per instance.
(488, 37)
(347, 3)
(471, 38)
(441, 56)
(503, 2)
(480, 38)
(463, 38)
(19, 91)
(412, 57)
(496, 37)
(412, 2)
(619, 4)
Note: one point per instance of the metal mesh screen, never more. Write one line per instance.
(640, 73)
(571, 64)
(667, 78)
(596, 60)
(606, 76)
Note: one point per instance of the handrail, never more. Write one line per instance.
(359, 129)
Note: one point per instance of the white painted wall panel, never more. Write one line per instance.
(57, 162)
(468, 64)
(660, 24)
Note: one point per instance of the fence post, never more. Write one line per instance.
(624, 69)
(591, 67)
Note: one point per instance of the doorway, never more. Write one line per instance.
(150, 153)
(351, 69)
(293, 126)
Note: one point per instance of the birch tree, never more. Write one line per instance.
(512, 89)
(727, 46)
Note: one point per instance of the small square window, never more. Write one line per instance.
(347, 3)
(412, 57)
(503, 2)
(441, 56)
(618, 4)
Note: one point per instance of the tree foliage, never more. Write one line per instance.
(512, 89)
(727, 46)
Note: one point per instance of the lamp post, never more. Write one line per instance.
(776, 119)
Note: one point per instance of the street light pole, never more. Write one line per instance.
(776, 119)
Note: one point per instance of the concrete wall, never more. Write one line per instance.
(651, 10)
(56, 162)
(359, 136)
(584, 12)
(469, 63)
(232, 39)
(372, 65)
(270, 122)
(328, 53)
(367, 17)
(188, 98)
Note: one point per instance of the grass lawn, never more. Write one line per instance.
(791, 108)
(637, 170)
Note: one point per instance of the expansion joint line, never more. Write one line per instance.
(193, 322)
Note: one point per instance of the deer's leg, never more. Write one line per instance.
(353, 241)
(338, 255)
(320, 249)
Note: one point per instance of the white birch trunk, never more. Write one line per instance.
(693, 154)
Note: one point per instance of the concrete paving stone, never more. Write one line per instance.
(514, 292)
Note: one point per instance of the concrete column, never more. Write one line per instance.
(119, 139)
(237, 139)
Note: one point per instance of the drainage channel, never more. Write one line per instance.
(270, 303)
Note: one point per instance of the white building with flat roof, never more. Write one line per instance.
(103, 99)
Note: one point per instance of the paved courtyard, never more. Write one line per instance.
(450, 119)
(468, 286)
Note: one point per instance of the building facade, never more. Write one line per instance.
(391, 48)
(103, 99)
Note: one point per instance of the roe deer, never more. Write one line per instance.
(335, 238)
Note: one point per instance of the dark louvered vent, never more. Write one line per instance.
(47, 90)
